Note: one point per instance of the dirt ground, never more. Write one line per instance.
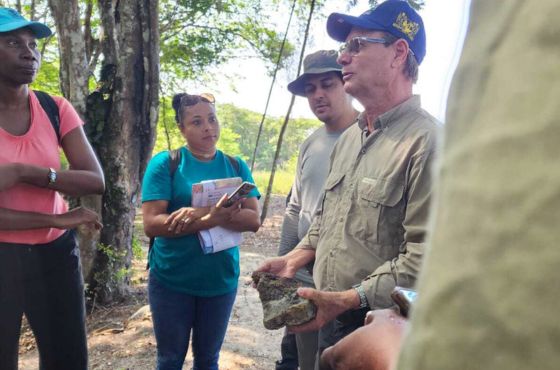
(120, 337)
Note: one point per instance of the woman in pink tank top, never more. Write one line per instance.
(40, 271)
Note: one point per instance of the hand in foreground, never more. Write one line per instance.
(374, 346)
(329, 306)
(76, 217)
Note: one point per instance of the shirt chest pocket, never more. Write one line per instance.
(382, 205)
(333, 187)
(330, 201)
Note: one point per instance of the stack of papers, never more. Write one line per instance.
(206, 194)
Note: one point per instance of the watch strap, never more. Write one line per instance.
(51, 176)
(362, 294)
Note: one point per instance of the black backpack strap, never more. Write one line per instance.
(234, 163)
(289, 195)
(49, 106)
(174, 160)
(150, 245)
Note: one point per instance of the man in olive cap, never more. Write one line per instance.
(370, 233)
(321, 83)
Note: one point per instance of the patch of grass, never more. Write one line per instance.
(282, 184)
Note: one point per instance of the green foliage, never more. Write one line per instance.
(291, 164)
(47, 79)
(239, 129)
(245, 124)
(168, 135)
(283, 180)
(198, 34)
(229, 141)
(195, 36)
(111, 276)
(137, 252)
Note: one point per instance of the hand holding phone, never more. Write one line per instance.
(242, 191)
(404, 298)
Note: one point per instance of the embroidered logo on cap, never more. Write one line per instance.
(406, 26)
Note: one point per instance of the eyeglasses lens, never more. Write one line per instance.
(351, 47)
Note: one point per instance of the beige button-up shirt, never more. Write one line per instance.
(371, 225)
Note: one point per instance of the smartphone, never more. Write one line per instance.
(404, 298)
(242, 191)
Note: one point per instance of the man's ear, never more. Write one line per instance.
(401, 51)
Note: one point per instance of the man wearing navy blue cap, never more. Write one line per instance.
(369, 235)
(321, 83)
(488, 293)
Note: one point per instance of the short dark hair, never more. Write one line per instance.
(411, 66)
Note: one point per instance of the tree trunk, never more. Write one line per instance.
(74, 76)
(286, 119)
(131, 48)
(130, 77)
(72, 51)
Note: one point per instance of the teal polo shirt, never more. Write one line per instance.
(179, 263)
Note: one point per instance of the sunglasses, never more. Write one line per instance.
(188, 100)
(355, 44)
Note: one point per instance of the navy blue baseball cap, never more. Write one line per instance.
(396, 17)
(11, 20)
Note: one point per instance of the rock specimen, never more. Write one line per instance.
(281, 304)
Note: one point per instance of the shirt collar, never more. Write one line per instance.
(391, 116)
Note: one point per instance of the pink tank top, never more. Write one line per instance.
(38, 146)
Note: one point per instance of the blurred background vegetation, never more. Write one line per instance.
(238, 130)
(225, 25)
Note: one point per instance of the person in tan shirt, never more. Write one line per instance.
(488, 294)
(321, 83)
(368, 234)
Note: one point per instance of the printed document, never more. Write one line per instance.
(208, 193)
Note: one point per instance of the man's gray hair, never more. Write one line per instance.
(411, 66)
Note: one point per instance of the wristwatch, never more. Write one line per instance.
(362, 294)
(51, 176)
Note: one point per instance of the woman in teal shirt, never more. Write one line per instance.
(189, 290)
